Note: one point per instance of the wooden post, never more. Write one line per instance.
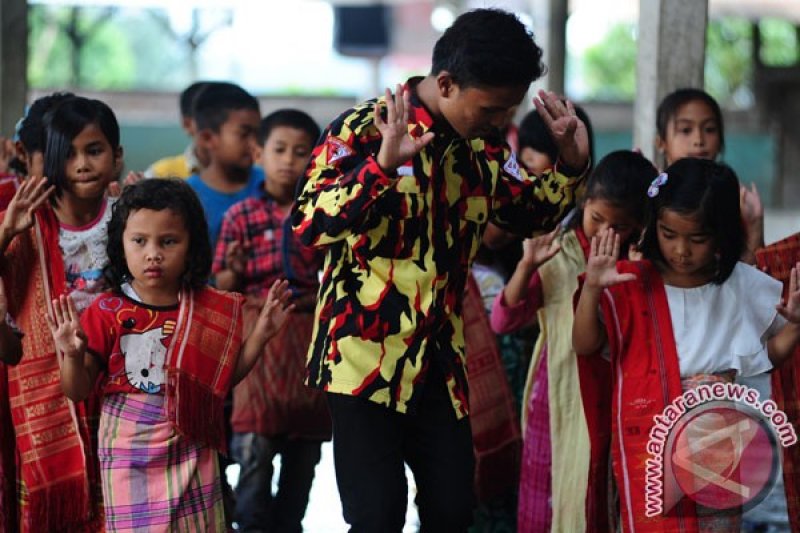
(13, 63)
(672, 44)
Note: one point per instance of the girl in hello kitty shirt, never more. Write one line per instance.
(167, 349)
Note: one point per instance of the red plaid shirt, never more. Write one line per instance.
(274, 251)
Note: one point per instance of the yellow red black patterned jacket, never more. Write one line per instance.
(399, 249)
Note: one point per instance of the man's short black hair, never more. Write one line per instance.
(214, 103)
(488, 47)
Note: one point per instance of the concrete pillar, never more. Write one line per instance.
(550, 31)
(556, 46)
(13, 62)
(671, 54)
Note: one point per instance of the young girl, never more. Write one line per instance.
(689, 124)
(553, 479)
(52, 248)
(169, 348)
(689, 314)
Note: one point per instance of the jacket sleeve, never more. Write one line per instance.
(527, 204)
(342, 181)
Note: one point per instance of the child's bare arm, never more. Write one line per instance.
(78, 369)
(588, 334)
(782, 346)
(273, 316)
(535, 252)
(753, 217)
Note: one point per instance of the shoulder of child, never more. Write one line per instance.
(748, 278)
(212, 292)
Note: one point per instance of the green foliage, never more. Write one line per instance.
(608, 69)
(779, 42)
(122, 51)
(729, 65)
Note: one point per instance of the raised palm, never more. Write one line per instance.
(397, 146)
(790, 308)
(538, 250)
(30, 195)
(276, 309)
(568, 131)
(601, 268)
(236, 256)
(66, 329)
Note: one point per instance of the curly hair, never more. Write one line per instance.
(158, 194)
(488, 48)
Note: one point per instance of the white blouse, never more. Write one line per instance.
(722, 327)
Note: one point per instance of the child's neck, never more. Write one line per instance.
(283, 195)
(225, 180)
(160, 297)
(685, 281)
(78, 212)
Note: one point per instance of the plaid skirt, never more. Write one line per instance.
(155, 480)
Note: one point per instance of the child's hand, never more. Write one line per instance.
(568, 131)
(133, 178)
(236, 256)
(66, 329)
(275, 311)
(115, 187)
(539, 250)
(397, 146)
(750, 203)
(601, 269)
(30, 195)
(790, 308)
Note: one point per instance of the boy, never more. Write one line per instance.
(192, 160)
(227, 119)
(273, 412)
(398, 193)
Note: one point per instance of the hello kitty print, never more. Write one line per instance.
(134, 356)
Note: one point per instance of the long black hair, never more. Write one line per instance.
(65, 122)
(709, 191)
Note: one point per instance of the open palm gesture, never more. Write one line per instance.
(790, 307)
(397, 146)
(236, 256)
(30, 195)
(66, 329)
(568, 131)
(276, 309)
(539, 250)
(601, 269)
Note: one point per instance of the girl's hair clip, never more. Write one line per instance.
(652, 190)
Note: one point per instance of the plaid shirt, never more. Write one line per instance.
(274, 252)
(399, 249)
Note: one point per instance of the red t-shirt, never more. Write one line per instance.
(130, 339)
